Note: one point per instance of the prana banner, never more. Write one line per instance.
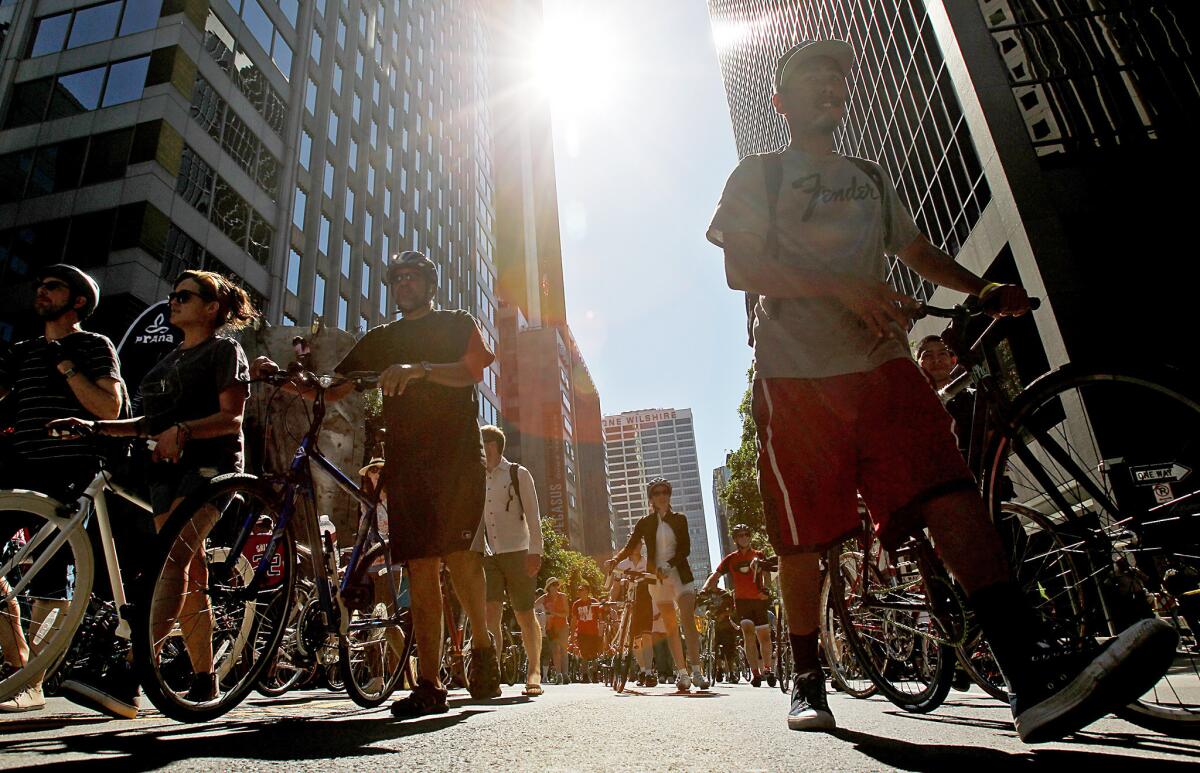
(146, 341)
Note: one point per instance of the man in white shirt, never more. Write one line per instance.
(510, 537)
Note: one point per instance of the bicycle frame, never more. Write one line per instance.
(299, 478)
(95, 494)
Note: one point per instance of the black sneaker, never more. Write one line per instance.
(756, 680)
(114, 691)
(1066, 691)
(652, 680)
(810, 708)
(424, 699)
(203, 689)
(961, 680)
(483, 674)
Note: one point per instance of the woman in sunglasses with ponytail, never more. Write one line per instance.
(194, 401)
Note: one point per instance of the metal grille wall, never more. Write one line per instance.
(903, 110)
(1098, 75)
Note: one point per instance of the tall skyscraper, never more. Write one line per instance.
(720, 480)
(291, 145)
(1015, 131)
(643, 445)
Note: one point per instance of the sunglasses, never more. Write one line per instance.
(406, 277)
(182, 296)
(51, 285)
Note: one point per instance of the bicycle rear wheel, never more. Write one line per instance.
(41, 602)
(379, 641)
(844, 670)
(894, 632)
(1107, 459)
(624, 655)
(197, 603)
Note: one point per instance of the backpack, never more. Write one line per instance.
(773, 180)
(513, 470)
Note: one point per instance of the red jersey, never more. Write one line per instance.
(255, 549)
(737, 564)
(586, 619)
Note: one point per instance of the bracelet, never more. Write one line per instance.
(987, 289)
(184, 432)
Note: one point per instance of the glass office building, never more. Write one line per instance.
(291, 145)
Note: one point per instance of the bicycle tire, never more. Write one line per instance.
(889, 646)
(844, 670)
(367, 686)
(1109, 426)
(784, 662)
(621, 660)
(269, 686)
(246, 631)
(19, 509)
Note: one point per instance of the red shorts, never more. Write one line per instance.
(883, 434)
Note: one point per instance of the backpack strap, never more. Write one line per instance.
(872, 172)
(772, 181)
(513, 470)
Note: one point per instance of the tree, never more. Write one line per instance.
(569, 566)
(741, 496)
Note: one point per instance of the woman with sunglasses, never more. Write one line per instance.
(664, 534)
(194, 400)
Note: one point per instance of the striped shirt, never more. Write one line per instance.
(40, 393)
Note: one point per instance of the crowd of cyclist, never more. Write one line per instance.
(838, 403)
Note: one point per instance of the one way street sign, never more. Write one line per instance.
(1168, 472)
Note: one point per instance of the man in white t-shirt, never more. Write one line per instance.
(510, 538)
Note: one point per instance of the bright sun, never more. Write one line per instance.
(578, 62)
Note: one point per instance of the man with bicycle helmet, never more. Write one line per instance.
(429, 362)
(664, 534)
(841, 408)
(67, 371)
(750, 602)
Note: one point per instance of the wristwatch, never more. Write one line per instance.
(425, 366)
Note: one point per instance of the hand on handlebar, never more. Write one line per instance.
(263, 366)
(70, 429)
(394, 380)
(1005, 300)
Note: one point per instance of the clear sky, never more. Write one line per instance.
(643, 145)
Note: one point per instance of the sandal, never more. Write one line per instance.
(533, 689)
(424, 699)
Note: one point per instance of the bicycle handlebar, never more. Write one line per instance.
(965, 310)
(306, 379)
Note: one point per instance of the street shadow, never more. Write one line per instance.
(512, 700)
(289, 739)
(693, 695)
(904, 755)
(954, 719)
(41, 725)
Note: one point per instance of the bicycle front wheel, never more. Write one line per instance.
(379, 640)
(844, 670)
(896, 637)
(1107, 459)
(200, 613)
(46, 572)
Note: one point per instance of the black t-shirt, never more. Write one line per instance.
(427, 415)
(187, 384)
(40, 393)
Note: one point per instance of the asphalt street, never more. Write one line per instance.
(577, 727)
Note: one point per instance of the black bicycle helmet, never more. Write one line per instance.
(80, 283)
(654, 482)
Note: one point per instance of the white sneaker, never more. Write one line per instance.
(683, 682)
(701, 681)
(29, 699)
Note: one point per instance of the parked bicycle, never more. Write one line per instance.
(1087, 474)
(243, 608)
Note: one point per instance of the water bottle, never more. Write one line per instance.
(327, 527)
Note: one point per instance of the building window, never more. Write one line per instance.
(293, 272)
(343, 313)
(332, 129)
(318, 294)
(305, 149)
(323, 236)
(346, 250)
(366, 279)
(350, 204)
(70, 94)
(328, 181)
(314, 49)
(301, 202)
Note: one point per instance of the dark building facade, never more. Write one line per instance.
(292, 145)
(1037, 142)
